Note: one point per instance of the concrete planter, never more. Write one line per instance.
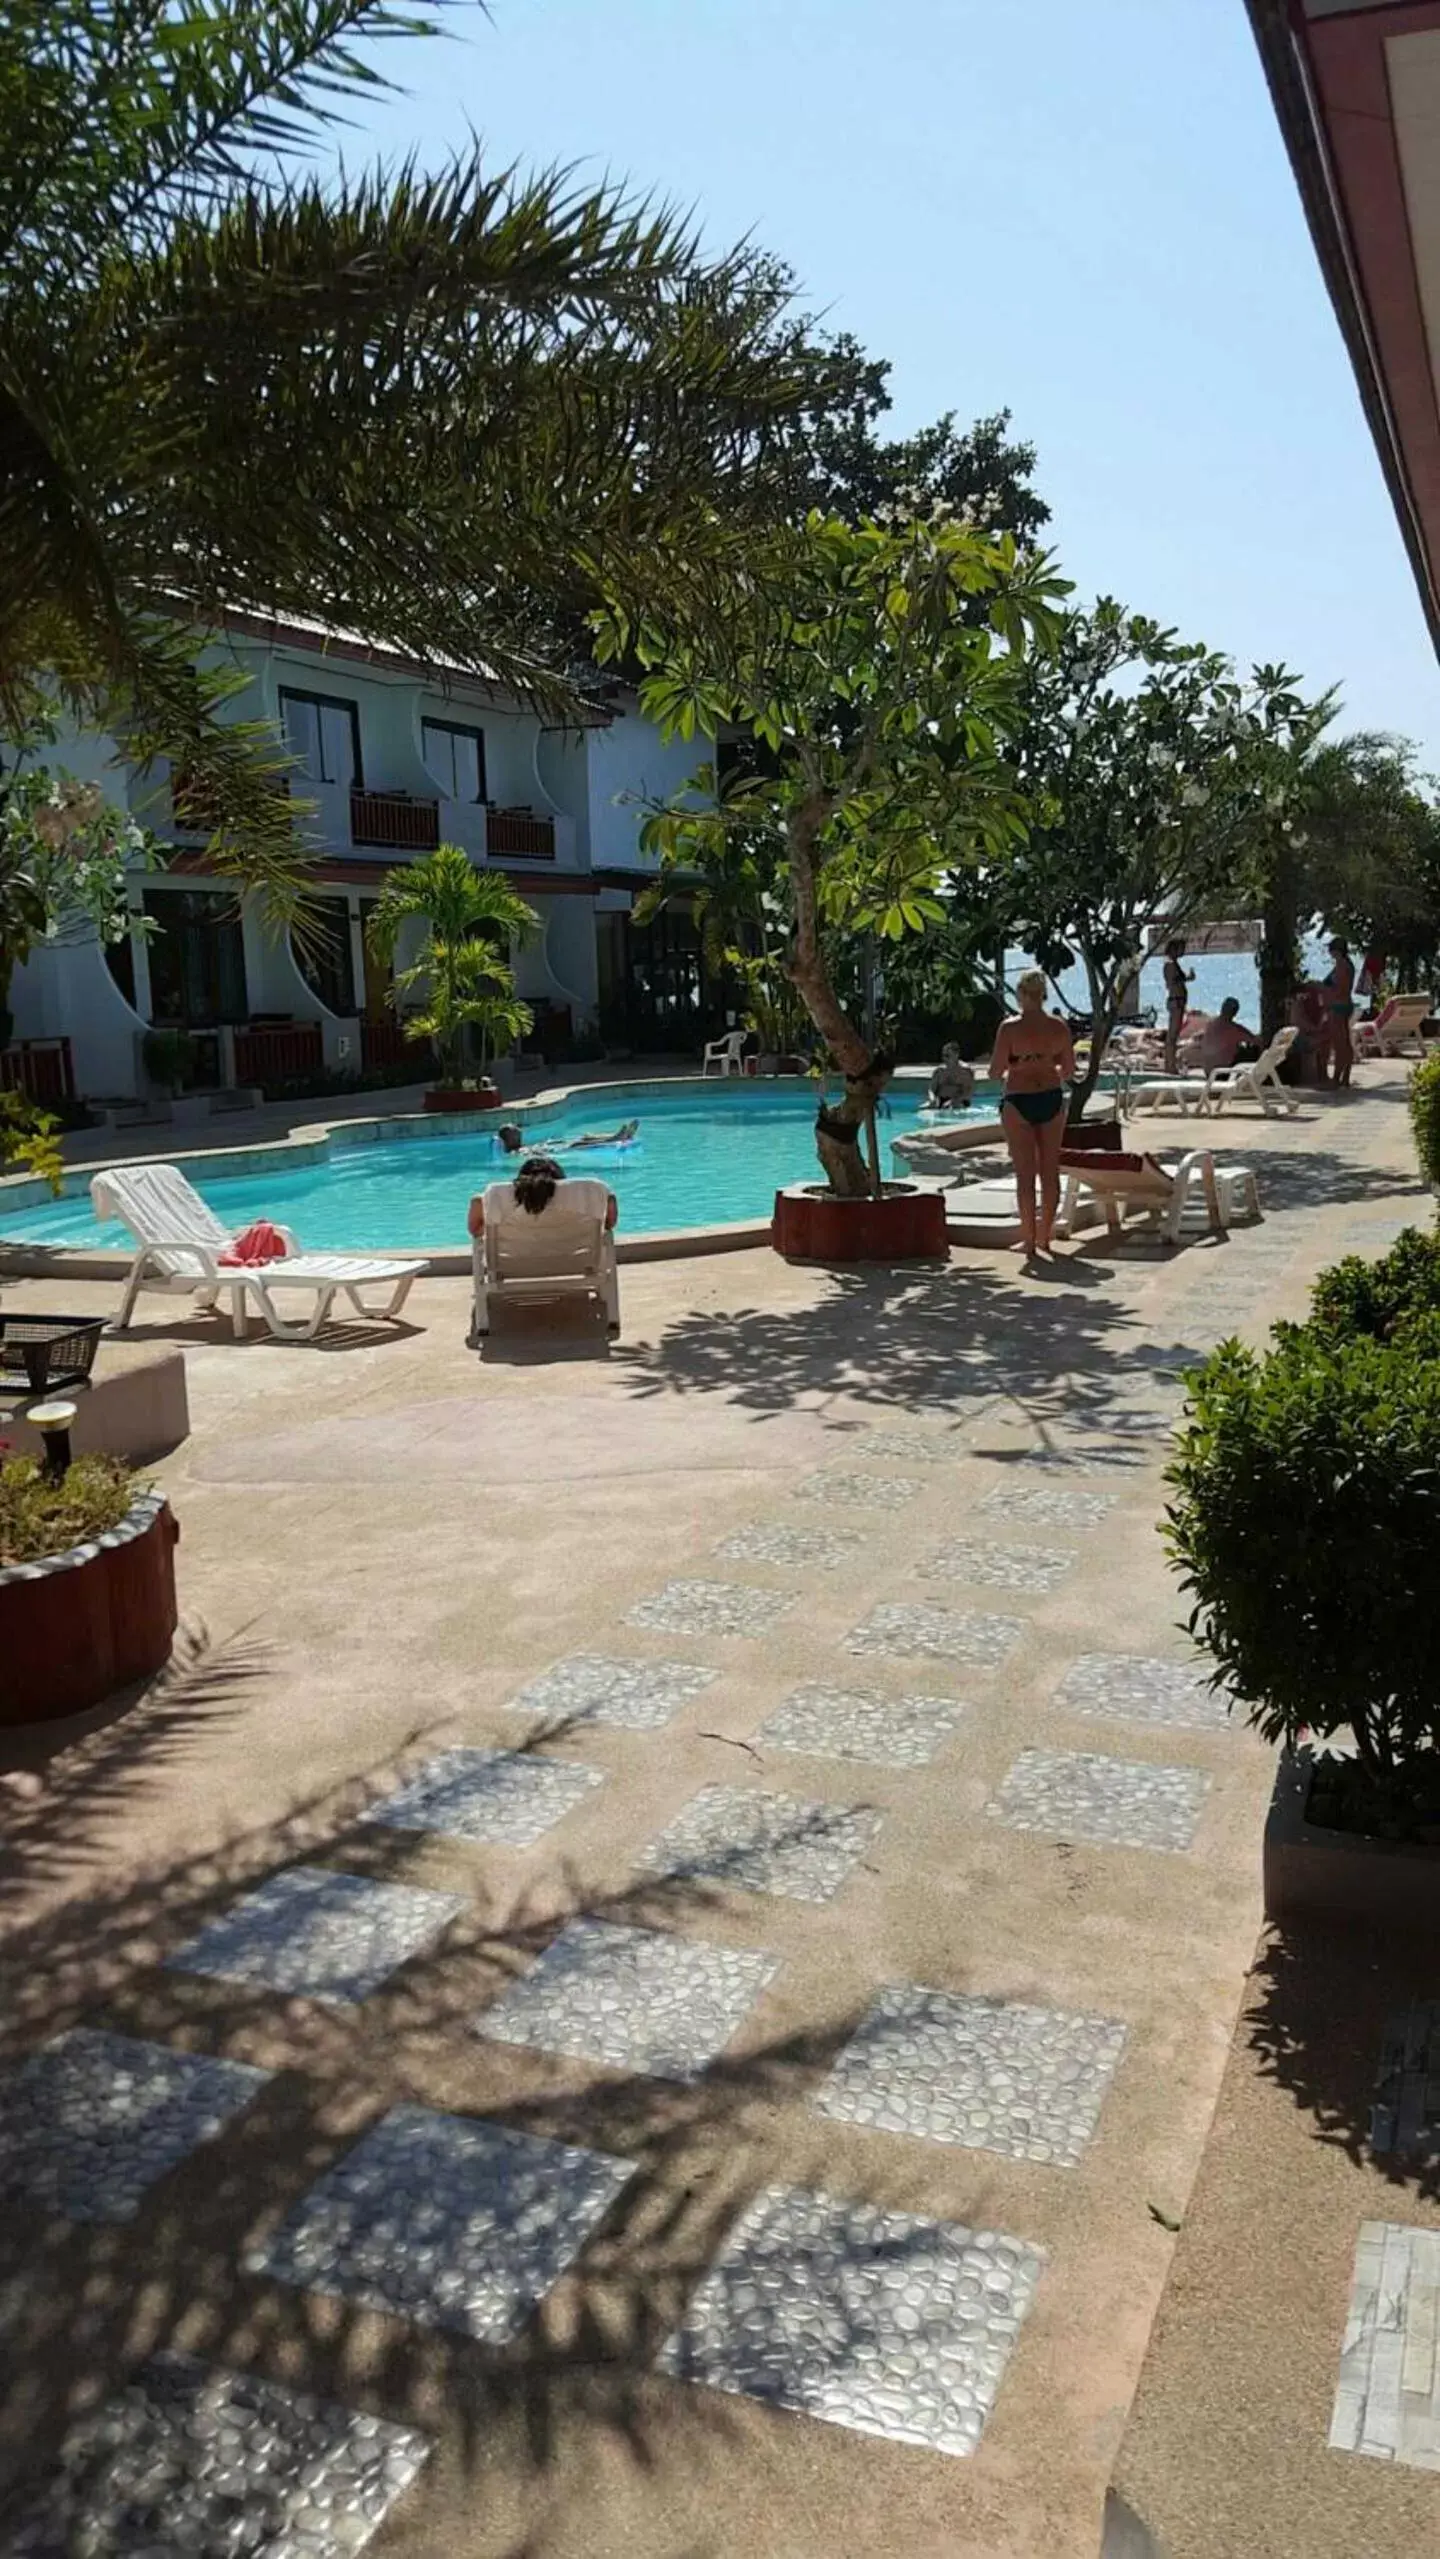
(457, 1097)
(75, 1626)
(1312, 1873)
(811, 1224)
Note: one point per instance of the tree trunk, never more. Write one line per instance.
(1280, 948)
(837, 1131)
(1102, 1023)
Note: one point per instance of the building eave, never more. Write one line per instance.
(1286, 37)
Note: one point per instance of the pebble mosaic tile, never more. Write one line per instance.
(908, 1447)
(91, 2120)
(973, 1559)
(1387, 2399)
(631, 1999)
(900, 1632)
(711, 1608)
(1127, 1688)
(880, 2321)
(983, 2073)
(446, 2221)
(763, 1843)
(861, 1723)
(1112, 1803)
(319, 1935)
(507, 1798)
(1406, 2119)
(637, 1697)
(823, 1549)
(187, 2462)
(1047, 1506)
(861, 1492)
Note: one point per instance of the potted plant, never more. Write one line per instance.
(1305, 1522)
(168, 1057)
(869, 672)
(1424, 1099)
(87, 1584)
(469, 919)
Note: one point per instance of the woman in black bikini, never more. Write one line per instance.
(1035, 1059)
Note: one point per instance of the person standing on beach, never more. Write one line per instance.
(1034, 1059)
(1177, 997)
(1340, 1005)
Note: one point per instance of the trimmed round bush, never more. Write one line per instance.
(1358, 1297)
(1305, 1525)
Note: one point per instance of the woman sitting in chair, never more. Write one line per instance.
(533, 1188)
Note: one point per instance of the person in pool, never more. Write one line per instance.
(953, 1082)
(513, 1139)
(1034, 1059)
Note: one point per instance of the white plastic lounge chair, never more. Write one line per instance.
(1396, 1028)
(179, 1243)
(1257, 1082)
(1172, 1195)
(1182, 1093)
(567, 1250)
(726, 1056)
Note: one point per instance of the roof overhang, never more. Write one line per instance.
(1356, 86)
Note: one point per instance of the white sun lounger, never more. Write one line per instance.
(1396, 1028)
(1182, 1093)
(566, 1250)
(1257, 1082)
(180, 1240)
(1173, 1196)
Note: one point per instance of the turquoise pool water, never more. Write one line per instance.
(710, 1156)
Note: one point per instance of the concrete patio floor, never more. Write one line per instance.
(386, 1541)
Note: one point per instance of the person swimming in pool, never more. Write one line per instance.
(1035, 1059)
(513, 1139)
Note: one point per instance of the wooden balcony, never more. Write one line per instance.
(519, 835)
(394, 822)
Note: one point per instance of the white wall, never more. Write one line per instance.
(629, 763)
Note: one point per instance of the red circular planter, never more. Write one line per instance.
(811, 1225)
(456, 1097)
(77, 1625)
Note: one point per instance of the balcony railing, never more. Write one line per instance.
(383, 1043)
(43, 1070)
(512, 832)
(393, 820)
(271, 1052)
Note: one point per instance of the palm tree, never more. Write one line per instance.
(471, 918)
(433, 409)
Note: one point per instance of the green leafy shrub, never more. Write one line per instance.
(1424, 1098)
(169, 1059)
(38, 1517)
(1305, 1525)
(1358, 1298)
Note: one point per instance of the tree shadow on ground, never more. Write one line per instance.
(1319, 1178)
(1320, 2000)
(898, 1340)
(64, 1785)
(576, 2382)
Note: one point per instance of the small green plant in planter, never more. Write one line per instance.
(40, 1516)
(1305, 1524)
(169, 1058)
(1424, 1098)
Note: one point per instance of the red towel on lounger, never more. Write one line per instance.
(261, 1242)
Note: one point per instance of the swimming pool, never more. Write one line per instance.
(707, 1155)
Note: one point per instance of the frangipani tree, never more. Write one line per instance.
(877, 667)
(1150, 769)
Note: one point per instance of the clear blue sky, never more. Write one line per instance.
(1077, 209)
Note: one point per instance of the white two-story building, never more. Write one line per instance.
(396, 759)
